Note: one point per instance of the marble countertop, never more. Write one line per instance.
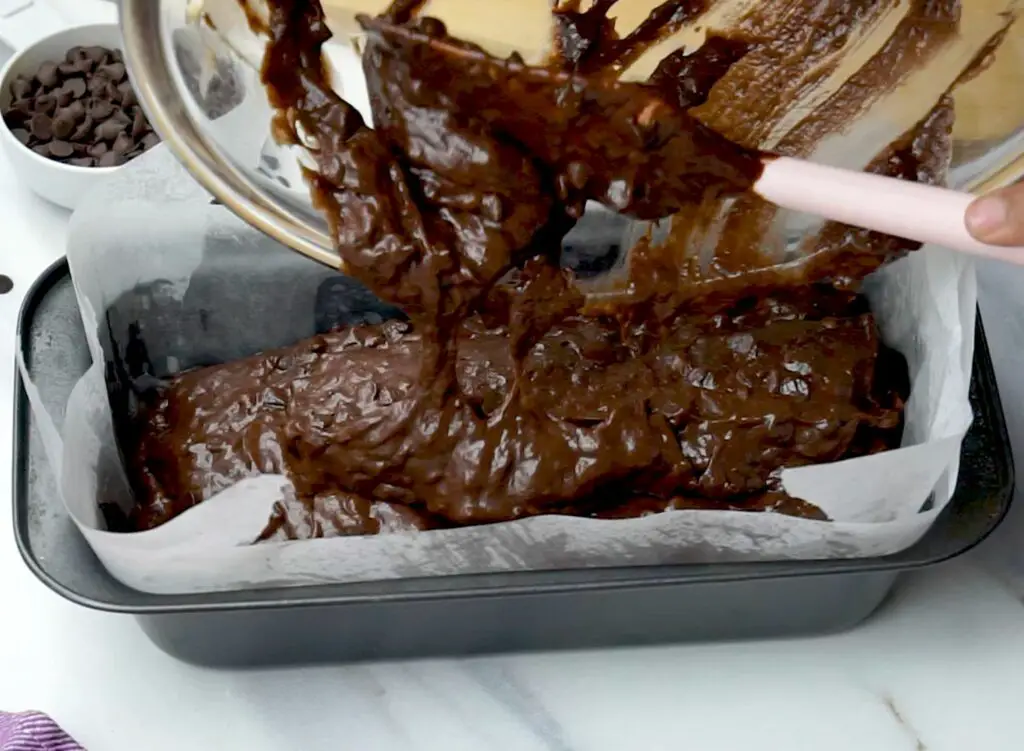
(939, 668)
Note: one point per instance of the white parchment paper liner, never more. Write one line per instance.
(152, 229)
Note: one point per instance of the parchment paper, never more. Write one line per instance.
(151, 250)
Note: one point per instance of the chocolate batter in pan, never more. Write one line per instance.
(506, 394)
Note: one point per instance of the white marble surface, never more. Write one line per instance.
(940, 668)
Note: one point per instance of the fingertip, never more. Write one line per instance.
(988, 218)
(998, 218)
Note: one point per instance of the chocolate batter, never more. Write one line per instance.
(590, 424)
(503, 397)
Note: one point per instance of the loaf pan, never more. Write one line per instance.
(460, 615)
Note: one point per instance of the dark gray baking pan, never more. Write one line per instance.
(473, 614)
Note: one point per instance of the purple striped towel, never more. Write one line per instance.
(33, 731)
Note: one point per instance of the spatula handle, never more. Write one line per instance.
(924, 213)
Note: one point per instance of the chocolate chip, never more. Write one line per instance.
(61, 149)
(77, 87)
(100, 109)
(42, 149)
(21, 134)
(98, 149)
(16, 117)
(110, 159)
(46, 103)
(150, 140)
(109, 130)
(47, 75)
(84, 130)
(21, 87)
(63, 124)
(97, 54)
(68, 70)
(84, 66)
(83, 161)
(76, 110)
(123, 144)
(116, 56)
(6, 284)
(114, 72)
(97, 85)
(140, 126)
(128, 98)
(41, 126)
(74, 54)
(63, 97)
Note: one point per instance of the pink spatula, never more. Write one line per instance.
(924, 213)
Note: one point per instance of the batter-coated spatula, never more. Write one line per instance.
(918, 212)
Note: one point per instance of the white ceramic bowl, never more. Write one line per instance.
(62, 184)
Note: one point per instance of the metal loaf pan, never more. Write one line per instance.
(472, 614)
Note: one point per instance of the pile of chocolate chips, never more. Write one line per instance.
(81, 110)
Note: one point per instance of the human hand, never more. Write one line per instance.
(998, 218)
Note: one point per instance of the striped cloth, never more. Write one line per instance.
(33, 731)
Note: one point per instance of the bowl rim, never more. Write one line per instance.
(6, 73)
(156, 90)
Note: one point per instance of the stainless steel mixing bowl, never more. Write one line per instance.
(202, 92)
(204, 98)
